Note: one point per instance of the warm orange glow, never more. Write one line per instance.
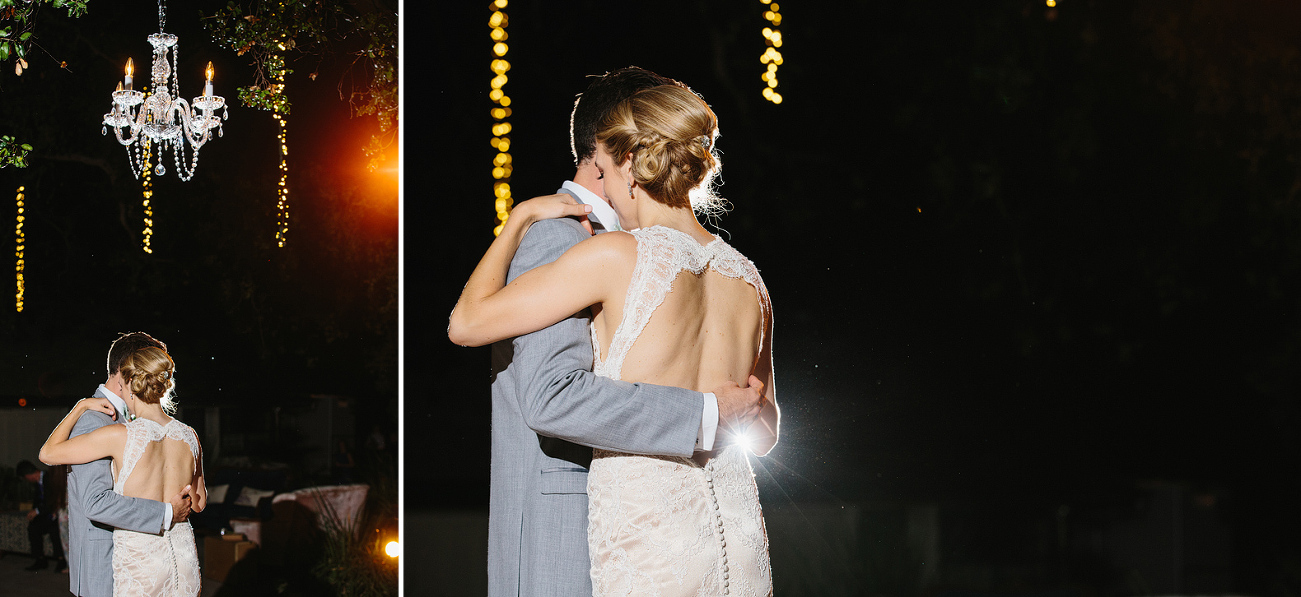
(209, 71)
(391, 549)
(130, 67)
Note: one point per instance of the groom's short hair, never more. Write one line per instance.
(126, 344)
(602, 95)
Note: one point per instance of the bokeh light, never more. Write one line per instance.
(501, 163)
(20, 239)
(147, 191)
(771, 57)
(282, 190)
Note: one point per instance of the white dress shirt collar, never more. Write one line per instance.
(601, 211)
(118, 403)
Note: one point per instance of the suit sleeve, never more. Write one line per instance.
(101, 503)
(561, 397)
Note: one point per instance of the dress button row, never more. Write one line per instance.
(718, 520)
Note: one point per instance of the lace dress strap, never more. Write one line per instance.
(661, 254)
(181, 432)
(138, 434)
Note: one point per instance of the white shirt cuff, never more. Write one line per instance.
(167, 522)
(708, 424)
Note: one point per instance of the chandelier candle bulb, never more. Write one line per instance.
(130, 69)
(207, 86)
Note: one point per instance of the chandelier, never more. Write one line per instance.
(162, 119)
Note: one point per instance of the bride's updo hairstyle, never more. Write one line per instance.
(149, 373)
(670, 133)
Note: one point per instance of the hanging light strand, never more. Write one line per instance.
(146, 183)
(772, 57)
(282, 191)
(20, 241)
(501, 163)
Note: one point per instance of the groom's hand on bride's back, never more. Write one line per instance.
(181, 505)
(738, 407)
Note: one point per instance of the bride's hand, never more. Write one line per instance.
(97, 404)
(547, 207)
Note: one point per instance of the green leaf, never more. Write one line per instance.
(4, 52)
(26, 146)
(24, 36)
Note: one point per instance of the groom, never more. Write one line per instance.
(94, 509)
(549, 409)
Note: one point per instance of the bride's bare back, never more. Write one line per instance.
(705, 333)
(164, 464)
(693, 316)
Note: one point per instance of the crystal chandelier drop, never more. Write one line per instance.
(163, 119)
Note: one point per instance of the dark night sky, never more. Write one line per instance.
(247, 323)
(1010, 256)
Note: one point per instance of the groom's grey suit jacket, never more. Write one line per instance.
(94, 510)
(547, 406)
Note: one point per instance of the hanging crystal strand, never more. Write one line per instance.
(159, 170)
(176, 54)
(182, 172)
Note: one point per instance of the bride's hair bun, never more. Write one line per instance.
(669, 132)
(149, 373)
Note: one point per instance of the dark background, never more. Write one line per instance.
(1024, 261)
(252, 327)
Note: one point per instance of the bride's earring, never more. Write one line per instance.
(630, 191)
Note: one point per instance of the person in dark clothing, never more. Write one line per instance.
(42, 520)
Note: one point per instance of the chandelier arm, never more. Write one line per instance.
(132, 127)
(189, 120)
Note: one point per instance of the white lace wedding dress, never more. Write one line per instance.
(146, 564)
(667, 525)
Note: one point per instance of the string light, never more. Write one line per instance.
(282, 191)
(501, 163)
(20, 240)
(772, 36)
(147, 182)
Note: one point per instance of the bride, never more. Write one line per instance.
(672, 305)
(154, 456)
